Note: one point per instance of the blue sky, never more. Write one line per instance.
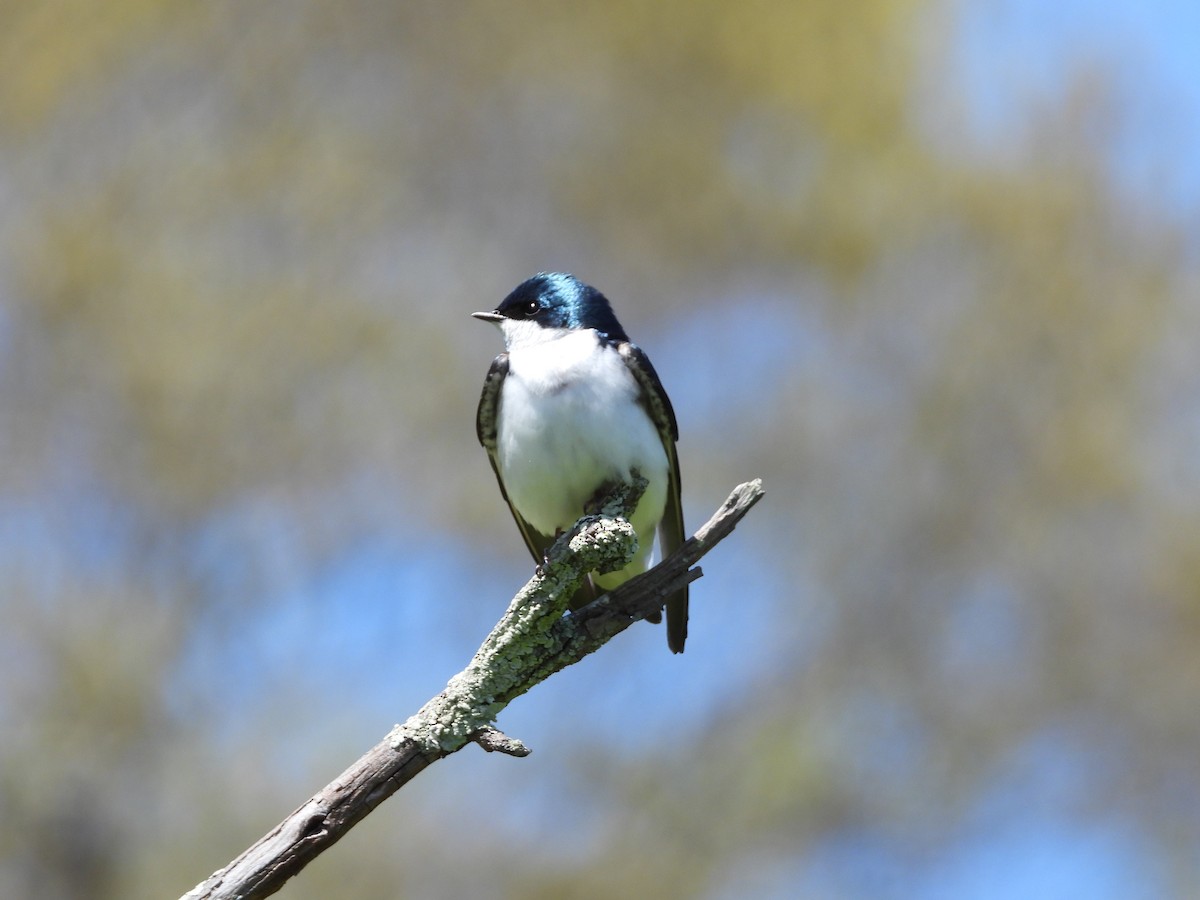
(1014, 55)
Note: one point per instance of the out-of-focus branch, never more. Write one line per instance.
(532, 641)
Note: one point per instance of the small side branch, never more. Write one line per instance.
(532, 641)
(493, 740)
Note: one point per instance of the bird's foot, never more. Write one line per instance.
(541, 569)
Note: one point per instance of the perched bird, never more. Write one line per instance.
(571, 409)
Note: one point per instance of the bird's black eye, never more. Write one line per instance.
(532, 308)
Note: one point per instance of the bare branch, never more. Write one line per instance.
(532, 641)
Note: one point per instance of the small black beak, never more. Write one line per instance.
(492, 316)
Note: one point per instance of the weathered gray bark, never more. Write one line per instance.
(531, 642)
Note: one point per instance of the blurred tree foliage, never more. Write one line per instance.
(239, 242)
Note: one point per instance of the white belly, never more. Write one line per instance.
(568, 422)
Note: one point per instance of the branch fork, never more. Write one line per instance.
(533, 640)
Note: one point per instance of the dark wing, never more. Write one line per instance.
(485, 429)
(670, 529)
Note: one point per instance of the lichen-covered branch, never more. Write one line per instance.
(532, 641)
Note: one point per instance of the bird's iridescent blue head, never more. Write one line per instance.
(555, 300)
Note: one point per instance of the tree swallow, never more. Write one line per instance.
(570, 409)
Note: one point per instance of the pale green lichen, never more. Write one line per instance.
(512, 658)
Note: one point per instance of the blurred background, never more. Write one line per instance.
(930, 268)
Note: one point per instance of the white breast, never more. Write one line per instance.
(568, 421)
